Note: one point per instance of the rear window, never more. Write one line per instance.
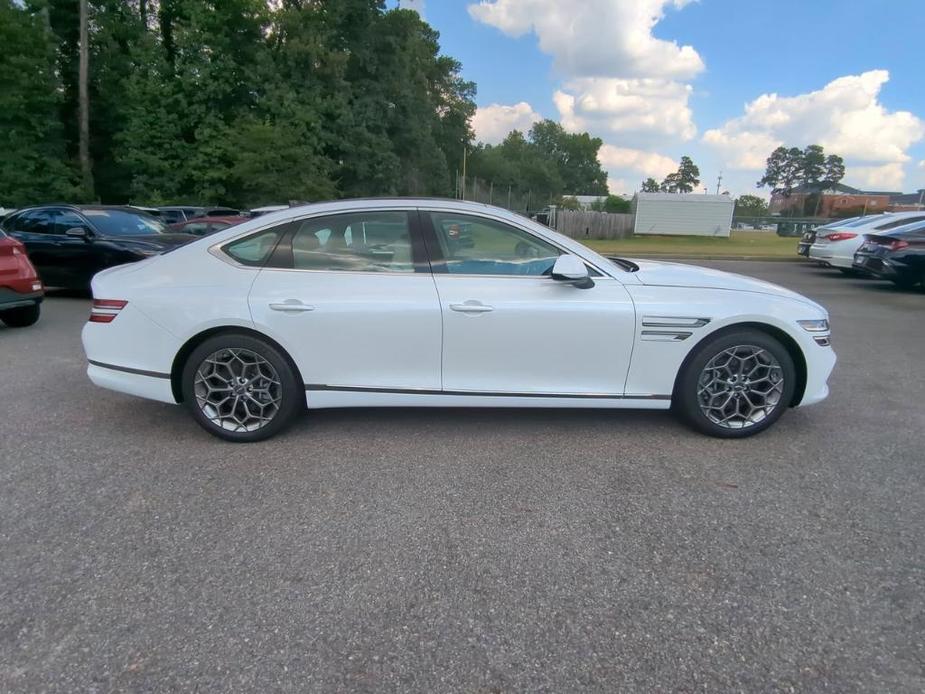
(899, 223)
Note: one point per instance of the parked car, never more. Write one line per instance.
(69, 244)
(367, 303)
(837, 245)
(809, 236)
(897, 255)
(203, 226)
(21, 289)
(180, 213)
(266, 209)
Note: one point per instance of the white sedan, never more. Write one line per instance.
(406, 302)
(836, 243)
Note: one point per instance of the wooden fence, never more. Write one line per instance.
(594, 225)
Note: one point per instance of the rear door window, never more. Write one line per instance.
(36, 222)
(357, 242)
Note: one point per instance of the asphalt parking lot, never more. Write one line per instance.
(477, 551)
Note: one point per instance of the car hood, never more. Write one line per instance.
(662, 274)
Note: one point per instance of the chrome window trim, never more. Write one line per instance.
(216, 249)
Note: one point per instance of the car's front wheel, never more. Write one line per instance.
(21, 317)
(241, 388)
(735, 385)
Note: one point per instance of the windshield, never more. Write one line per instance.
(124, 223)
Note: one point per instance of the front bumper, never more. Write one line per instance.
(820, 361)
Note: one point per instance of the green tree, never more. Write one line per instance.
(812, 164)
(574, 155)
(670, 183)
(751, 206)
(834, 170)
(688, 175)
(650, 185)
(612, 203)
(684, 180)
(33, 164)
(783, 170)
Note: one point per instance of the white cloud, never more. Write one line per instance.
(596, 37)
(882, 177)
(845, 116)
(620, 82)
(636, 160)
(626, 106)
(619, 186)
(492, 123)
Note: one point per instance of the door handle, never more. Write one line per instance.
(472, 307)
(291, 306)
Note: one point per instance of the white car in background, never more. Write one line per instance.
(379, 303)
(836, 244)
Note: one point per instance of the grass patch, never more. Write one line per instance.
(765, 244)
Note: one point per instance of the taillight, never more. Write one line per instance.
(897, 244)
(841, 236)
(106, 310)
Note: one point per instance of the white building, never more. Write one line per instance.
(683, 214)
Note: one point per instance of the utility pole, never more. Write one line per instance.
(464, 172)
(718, 181)
(83, 104)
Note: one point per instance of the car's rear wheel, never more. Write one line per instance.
(21, 317)
(906, 282)
(736, 384)
(241, 388)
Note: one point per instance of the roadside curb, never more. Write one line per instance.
(670, 256)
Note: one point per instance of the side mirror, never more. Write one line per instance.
(78, 233)
(572, 269)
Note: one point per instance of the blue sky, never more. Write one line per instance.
(656, 79)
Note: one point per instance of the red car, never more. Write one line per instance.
(21, 290)
(203, 226)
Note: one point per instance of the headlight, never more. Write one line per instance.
(815, 326)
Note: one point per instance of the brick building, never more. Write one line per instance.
(843, 201)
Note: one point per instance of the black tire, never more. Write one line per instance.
(686, 399)
(906, 282)
(21, 317)
(291, 391)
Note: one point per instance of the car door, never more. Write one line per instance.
(508, 327)
(352, 298)
(76, 258)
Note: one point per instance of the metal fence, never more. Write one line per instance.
(509, 197)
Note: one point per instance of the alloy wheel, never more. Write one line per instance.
(740, 386)
(237, 389)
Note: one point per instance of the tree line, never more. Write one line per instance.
(231, 102)
(241, 102)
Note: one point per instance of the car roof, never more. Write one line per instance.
(81, 208)
(904, 229)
